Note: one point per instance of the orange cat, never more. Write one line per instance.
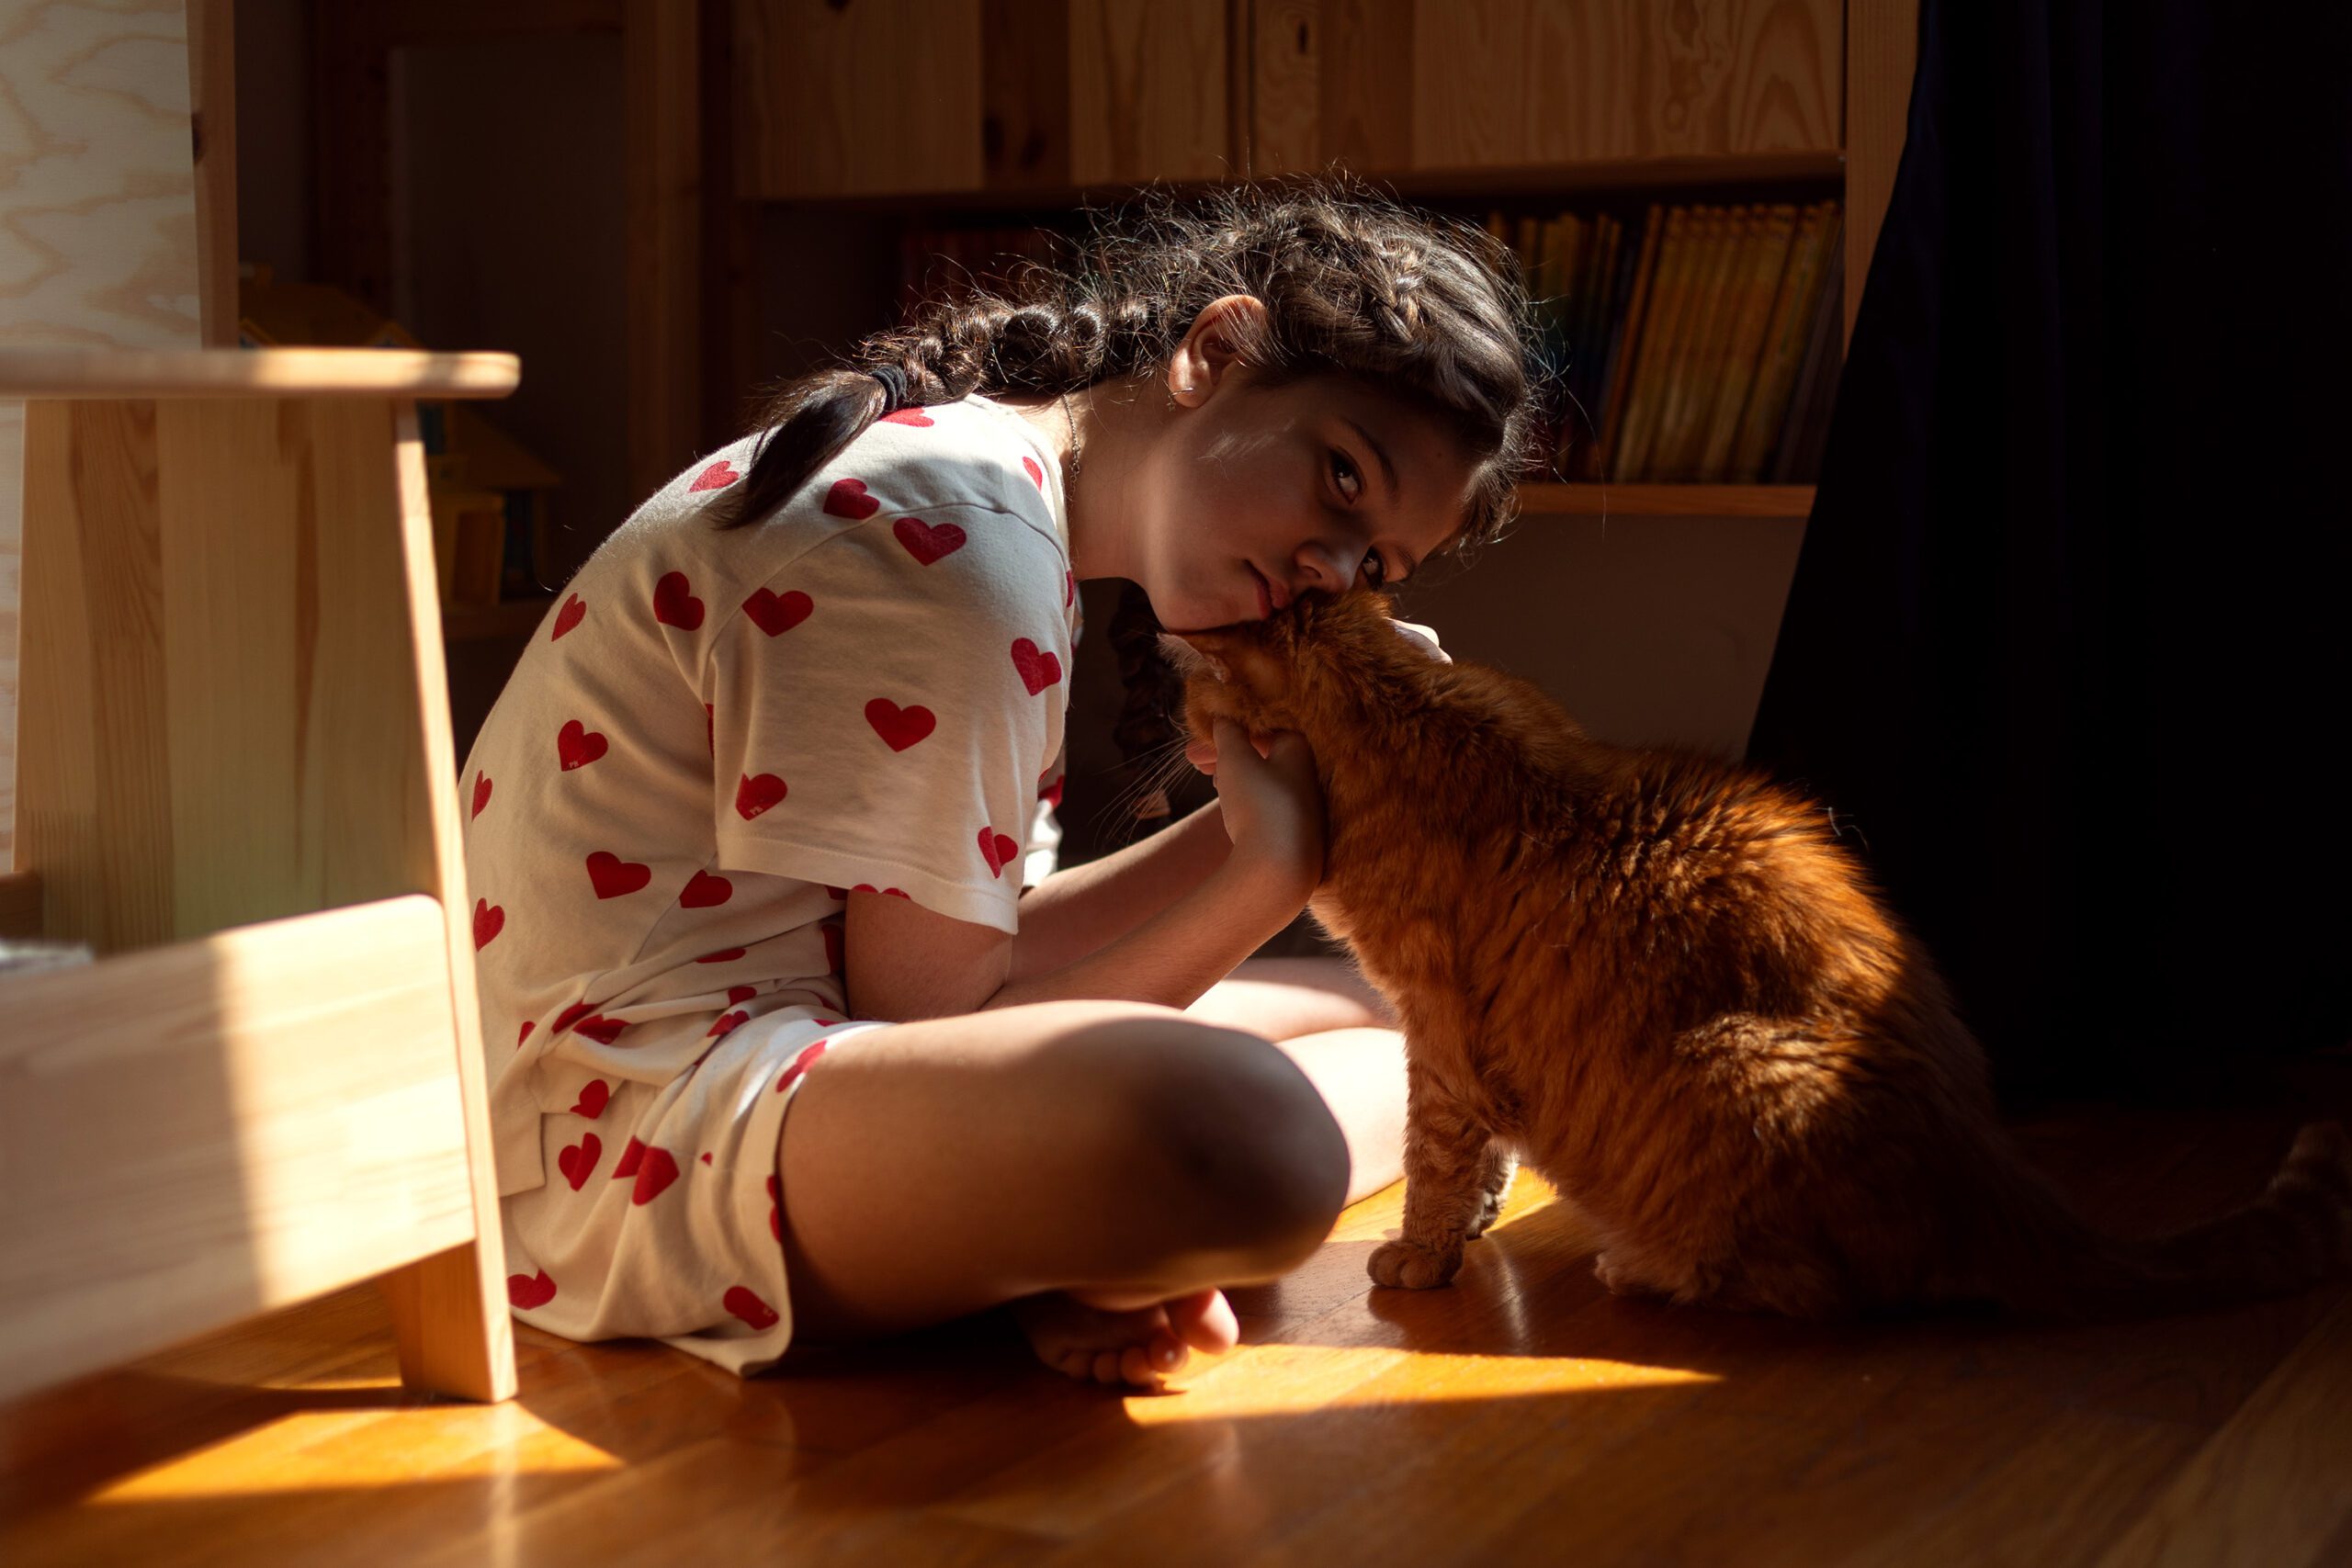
(1661, 980)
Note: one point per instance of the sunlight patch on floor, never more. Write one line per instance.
(343, 1450)
(1272, 1380)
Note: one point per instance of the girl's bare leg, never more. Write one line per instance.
(1131, 1156)
(1341, 1033)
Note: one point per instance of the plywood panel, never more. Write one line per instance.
(98, 241)
(1513, 81)
(226, 710)
(1285, 85)
(870, 99)
(1149, 91)
(220, 1127)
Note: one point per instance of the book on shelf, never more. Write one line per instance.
(1695, 342)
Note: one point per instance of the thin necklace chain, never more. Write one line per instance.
(1073, 434)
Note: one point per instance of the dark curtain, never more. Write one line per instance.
(2066, 649)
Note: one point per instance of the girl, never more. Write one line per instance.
(751, 824)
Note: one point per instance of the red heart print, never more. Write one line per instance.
(800, 1065)
(571, 1016)
(578, 1161)
(727, 1023)
(997, 850)
(775, 1208)
(740, 994)
(1038, 669)
(658, 1169)
(848, 499)
(1052, 793)
(576, 745)
(724, 955)
(602, 1030)
(908, 416)
(574, 610)
(615, 876)
(718, 476)
(749, 1307)
(1069, 588)
(706, 891)
(481, 791)
(754, 796)
(632, 1156)
(776, 613)
(673, 604)
(886, 892)
(529, 1025)
(529, 1291)
(489, 921)
(594, 1095)
(899, 726)
(1037, 474)
(928, 541)
(706, 1156)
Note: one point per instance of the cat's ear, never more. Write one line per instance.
(1189, 654)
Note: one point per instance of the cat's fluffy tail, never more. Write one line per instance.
(2297, 1232)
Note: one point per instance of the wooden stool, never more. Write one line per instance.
(236, 785)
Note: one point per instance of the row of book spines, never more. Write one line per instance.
(1719, 347)
(1684, 345)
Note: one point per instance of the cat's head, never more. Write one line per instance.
(1317, 662)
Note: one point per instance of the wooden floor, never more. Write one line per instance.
(1520, 1417)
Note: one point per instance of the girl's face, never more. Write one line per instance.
(1248, 496)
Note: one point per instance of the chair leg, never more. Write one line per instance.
(452, 1327)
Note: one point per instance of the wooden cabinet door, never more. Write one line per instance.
(1425, 85)
(1149, 95)
(856, 97)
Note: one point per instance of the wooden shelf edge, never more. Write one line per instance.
(1592, 177)
(1665, 500)
(50, 373)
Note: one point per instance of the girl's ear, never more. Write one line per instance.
(1225, 333)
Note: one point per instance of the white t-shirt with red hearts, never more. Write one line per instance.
(713, 734)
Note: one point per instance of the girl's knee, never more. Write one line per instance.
(1232, 1140)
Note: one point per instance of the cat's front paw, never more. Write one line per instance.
(1413, 1267)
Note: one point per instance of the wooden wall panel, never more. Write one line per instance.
(1285, 85)
(1149, 91)
(97, 226)
(1024, 109)
(870, 97)
(1513, 82)
(1367, 84)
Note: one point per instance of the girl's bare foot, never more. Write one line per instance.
(1111, 1337)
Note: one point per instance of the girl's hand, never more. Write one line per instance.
(1267, 794)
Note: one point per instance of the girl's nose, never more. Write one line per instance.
(1333, 565)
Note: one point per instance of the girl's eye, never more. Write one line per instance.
(1339, 464)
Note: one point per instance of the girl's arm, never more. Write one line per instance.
(1175, 955)
(1076, 910)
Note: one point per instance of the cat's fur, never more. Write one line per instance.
(1662, 981)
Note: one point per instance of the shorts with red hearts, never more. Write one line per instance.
(661, 1215)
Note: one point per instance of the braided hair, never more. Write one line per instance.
(1426, 308)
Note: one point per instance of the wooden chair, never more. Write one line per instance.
(236, 785)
